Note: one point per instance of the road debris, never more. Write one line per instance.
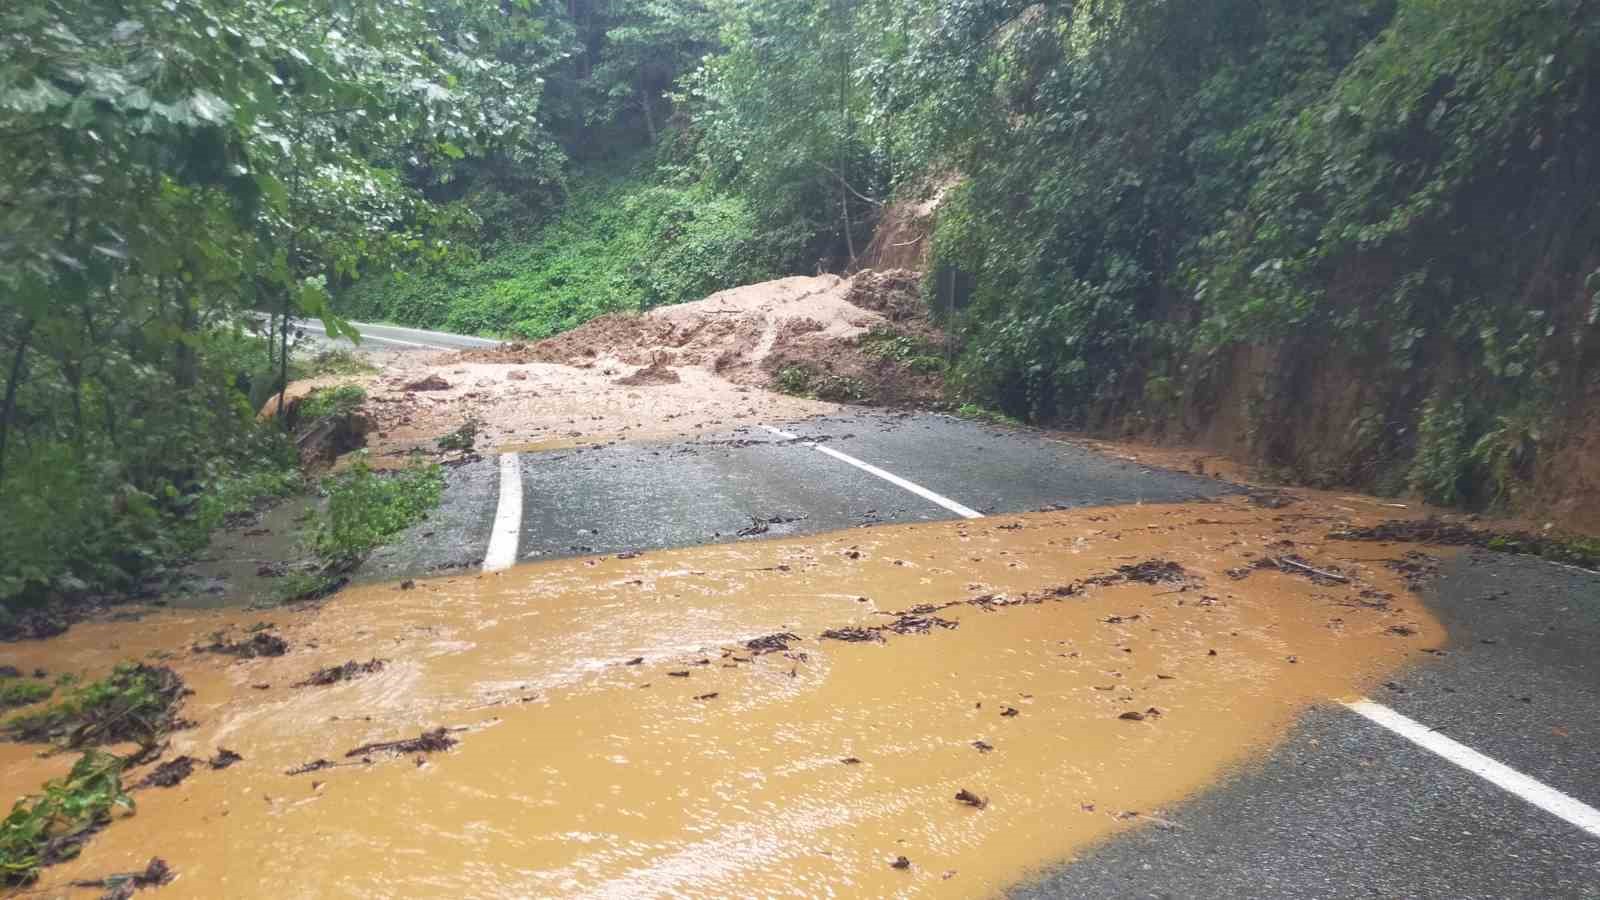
(262, 643)
(346, 672)
(169, 773)
(971, 799)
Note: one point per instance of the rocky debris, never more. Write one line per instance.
(1270, 499)
(772, 643)
(262, 643)
(1416, 567)
(971, 799)
(1292, 564)
(428, 742)
(853, 635)
(315, 765)
(983, 746)
(900, 862)
(653, 374)
(170, 773)
(123, 885)
(432, 382)
(1572, 551)
(760, 525)
(1151, 571)
(224, 758)
(345, 672)
(917, 621)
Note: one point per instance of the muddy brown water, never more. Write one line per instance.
(578, 774)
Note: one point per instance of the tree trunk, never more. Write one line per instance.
(644, 101)
(283, 357)
(8, 407)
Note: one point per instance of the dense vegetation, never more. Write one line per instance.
(1349, 238)
(624, 240)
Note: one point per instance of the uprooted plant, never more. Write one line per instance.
(51, 826)
(134, 703)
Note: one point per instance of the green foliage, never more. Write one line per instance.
(621, 243)
(335, 362)
(1441, 471)
(986, 415)
(805, 381)
(794, 380)
(16, 692)
(364, 508)
(463, 438)
(51, 826)
(134, 702)
(917, 354)
(340, 400)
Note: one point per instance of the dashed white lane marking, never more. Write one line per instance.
(503, 540)
(963, 511)
(1547, 798)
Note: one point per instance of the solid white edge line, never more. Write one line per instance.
(1547, 798)
(503, 540)
(477, 341)
(375, 337)
(963, 511)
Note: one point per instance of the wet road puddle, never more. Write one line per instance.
(1069, 706)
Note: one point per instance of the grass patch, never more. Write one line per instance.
(51, 826)
(339, 362)
(365, 508)
(803, 381)
(621, 242)
(134, 703)
(333, 401)
(15, 692)
(462, 439)
(916, 354)
(986, 415)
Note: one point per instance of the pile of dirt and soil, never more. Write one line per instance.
(866, 339)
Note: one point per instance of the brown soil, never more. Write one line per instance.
(674, 372)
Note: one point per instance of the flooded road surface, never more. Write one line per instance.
(1077, 706)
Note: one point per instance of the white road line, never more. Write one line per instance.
(374, 337)
(1498, 774)
(896, 480)
(503, 540)
(474, 340)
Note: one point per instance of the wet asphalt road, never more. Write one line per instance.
(643, 497)
(1343, 808)
(393, 337)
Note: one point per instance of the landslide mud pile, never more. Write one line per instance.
(865, 339)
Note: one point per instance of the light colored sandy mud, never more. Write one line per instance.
(579, 774)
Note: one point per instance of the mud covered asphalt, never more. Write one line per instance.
(1344, 809)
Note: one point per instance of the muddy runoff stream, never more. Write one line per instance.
(622, 729)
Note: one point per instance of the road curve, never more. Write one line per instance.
(396, 337)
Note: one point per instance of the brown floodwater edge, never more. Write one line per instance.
(676, 722)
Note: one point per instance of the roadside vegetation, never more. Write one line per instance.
(628, 238)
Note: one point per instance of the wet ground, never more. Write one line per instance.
(870, 655)
(1343, 808)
